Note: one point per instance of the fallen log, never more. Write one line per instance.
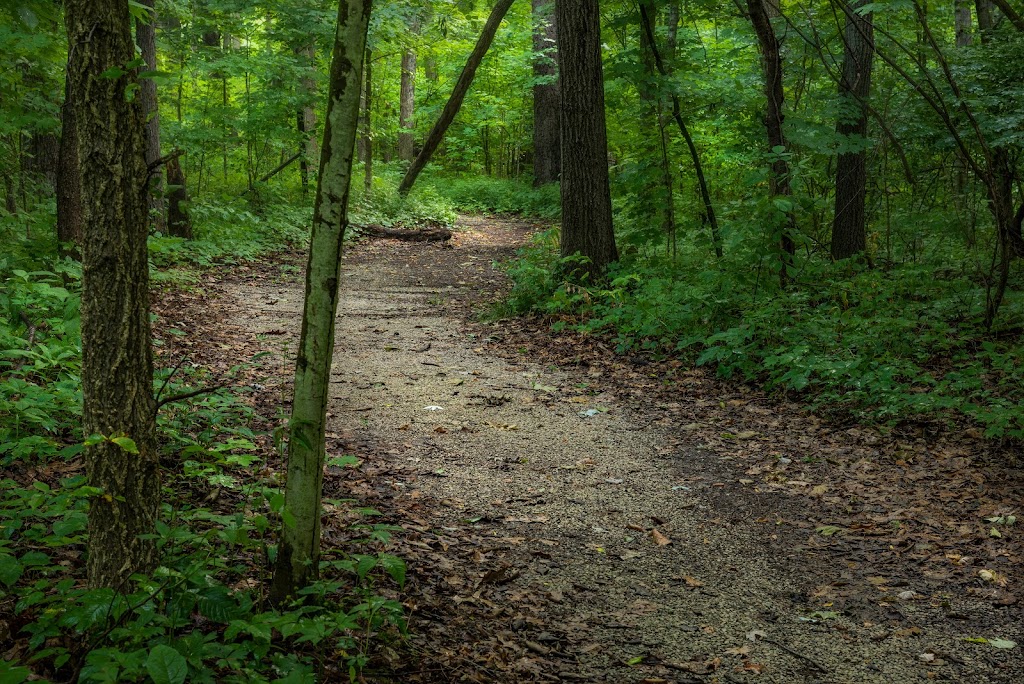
(408, 234)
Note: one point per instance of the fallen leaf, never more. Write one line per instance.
(659, 538)
(692, 582)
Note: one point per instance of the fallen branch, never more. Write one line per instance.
(797, 654)
(408, 234)
(267, 176)
(188, 395)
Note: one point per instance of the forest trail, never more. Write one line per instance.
(561, 528)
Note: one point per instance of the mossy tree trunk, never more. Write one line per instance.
(299, 549)
(117, 360)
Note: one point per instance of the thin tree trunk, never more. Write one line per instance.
(10, 195)
(849, 229)
(407, 101)
(586, 193)
(69, 179)
(368, 123)
(306, 116)
(451, 108)
(299, 549)
(547, 149)
(179, 223)
(145, 35)
(771, 61)
(117, 359)
(709, 207)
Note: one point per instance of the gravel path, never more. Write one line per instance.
(646, 571)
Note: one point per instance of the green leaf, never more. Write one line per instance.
(126, 443)
(1002, 643)
(11, 673)
(166, 666)
(113, 73)
(10, 570)
(395, 567)
(93, 440)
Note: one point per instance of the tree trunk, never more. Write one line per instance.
(771, 62)
(10, 195)
(962, 23)
(43, 156)
(407, 102)
(586, 193)
(368, 123)
(451, 108)
(117, 359)
(69, 178)
(547, 149)
(299, 548)
(145, 35)
(709, 208)
(849, 229)
(306, 116)
(179, 223)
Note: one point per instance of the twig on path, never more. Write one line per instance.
(797, 654)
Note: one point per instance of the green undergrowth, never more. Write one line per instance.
(482, 194)
(201, 616)
(875, 344)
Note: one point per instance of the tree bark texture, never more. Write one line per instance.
(451, 108)
(179, 223)
(145, 35)
(69, 179)
(586, 193)
(962, 22)
(299, 548)
(547, 136)
(407, 102)
(117, 360)
(849, 226)
(771, 62)
(42, 156)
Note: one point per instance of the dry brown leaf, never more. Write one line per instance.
(659, 538)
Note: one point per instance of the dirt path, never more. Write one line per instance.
(559, 529)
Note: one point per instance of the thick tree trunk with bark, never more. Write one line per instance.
(586, 193)
(117, 360)
(849, 229)
(771, 62)
(407, 102)
(145, 35)
(298, 552)
(547, 149)
(451, 108)
(69, 179)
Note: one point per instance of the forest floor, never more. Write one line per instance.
(572, 515)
